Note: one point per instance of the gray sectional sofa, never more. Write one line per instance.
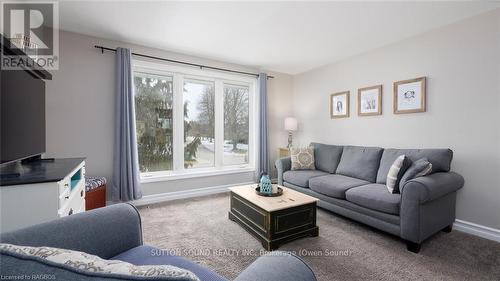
(350, 181)
(115, 232)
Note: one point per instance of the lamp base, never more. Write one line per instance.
(289, 139)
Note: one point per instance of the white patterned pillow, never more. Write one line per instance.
(87, 264)
(302, 158)
(396, 172)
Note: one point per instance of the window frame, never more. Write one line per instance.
(179, 75)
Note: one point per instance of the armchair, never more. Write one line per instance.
(115, 232)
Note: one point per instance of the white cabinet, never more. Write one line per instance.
(35, 198)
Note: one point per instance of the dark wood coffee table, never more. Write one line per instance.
(274, 220)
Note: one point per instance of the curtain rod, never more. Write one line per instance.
(201, 66)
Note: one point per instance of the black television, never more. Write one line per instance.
(22, 109)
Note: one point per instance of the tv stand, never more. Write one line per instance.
(39, 191)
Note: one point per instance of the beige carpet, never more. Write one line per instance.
(345, 250)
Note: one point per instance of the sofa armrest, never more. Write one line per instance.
(431, 187)
(277, 265)
(428, 205)
(282, 165)
(104, 232)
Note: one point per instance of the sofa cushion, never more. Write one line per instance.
(374, 196)
(334, 185)
(360, 162)
(419, 168)
(345, 207)
(301, 178)
(147, 255)
(439, 158)
(327, 157)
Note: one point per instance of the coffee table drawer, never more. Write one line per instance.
(250, 214)
(295, 219)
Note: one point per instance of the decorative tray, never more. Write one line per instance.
(279, 193)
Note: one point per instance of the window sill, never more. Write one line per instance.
(177, 175)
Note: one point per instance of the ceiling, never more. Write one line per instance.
(288, 37)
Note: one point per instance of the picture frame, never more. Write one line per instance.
(410, 96)
(370, 101)
(339, 105)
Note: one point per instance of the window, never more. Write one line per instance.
(199, 124)
(236, 113)
(193, 121)
(153, 114)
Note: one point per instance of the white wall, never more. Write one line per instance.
(461, 63)
(280, 107)
(80, 108)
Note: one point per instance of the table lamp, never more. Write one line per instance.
(290, 126)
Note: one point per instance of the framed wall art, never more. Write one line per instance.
(339, 105)
(370, 101)
(409, 96)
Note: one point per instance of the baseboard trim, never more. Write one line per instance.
(477, 230)
(183, 194)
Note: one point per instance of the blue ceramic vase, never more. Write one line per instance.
(265, 184)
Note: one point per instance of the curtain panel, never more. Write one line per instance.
(263, 161)
(125, 184)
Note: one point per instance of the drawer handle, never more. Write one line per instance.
(70, 212)
(64, 194)
(81, 193)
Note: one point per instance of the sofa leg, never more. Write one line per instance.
(448, 228)
(413, 247)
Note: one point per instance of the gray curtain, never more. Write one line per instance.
(125, 184)
(263, 166)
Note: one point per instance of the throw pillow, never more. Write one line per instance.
(302, 158)
(419, 168)
(396, 172)
(91, 265)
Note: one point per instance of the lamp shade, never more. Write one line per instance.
(290, 124)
